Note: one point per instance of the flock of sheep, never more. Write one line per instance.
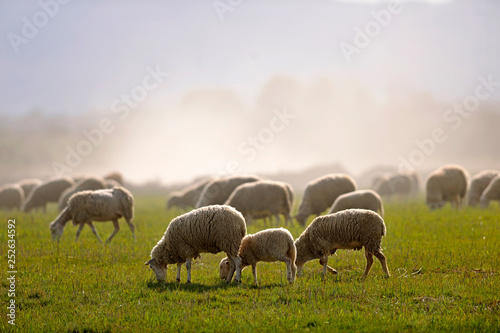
(222, 208)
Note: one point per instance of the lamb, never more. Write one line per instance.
(218, 190)
(28, 185)
(268, 245)
(11, 196)
(364, 199)
(478, 184)
(211, 229)
(48, 191)
(88, 183)
(347, 229)
(261, 199)
(447, 183)
(189, 196)
(101, 205)
(492, 192)
(321, 193)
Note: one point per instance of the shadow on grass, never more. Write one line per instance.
(201, 288)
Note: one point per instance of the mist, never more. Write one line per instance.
(168, 92)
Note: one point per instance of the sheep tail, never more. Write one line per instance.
(292, 251)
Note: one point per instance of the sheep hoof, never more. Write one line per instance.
(188, 282)
(178, 280)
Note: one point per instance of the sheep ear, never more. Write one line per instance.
(150, 261)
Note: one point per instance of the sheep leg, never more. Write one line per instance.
(369, 262)
(254, 272)
(132, 228)
(299, 269)
(278, 219)
(117, 228)
(380, 256)
(290, 270)
(80, 227)
(92, 227)
(322, 263)
(178, 276)
(235, 266)
(188, 268)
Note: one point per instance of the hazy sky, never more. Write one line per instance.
(196, 79)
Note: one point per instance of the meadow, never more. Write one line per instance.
(445, 277)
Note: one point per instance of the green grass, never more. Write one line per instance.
(445, 277)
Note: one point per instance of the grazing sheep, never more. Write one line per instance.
(11, 196)
(478, 184)
(189, 196)
(116, 176)
(209, 229)
(448, 183)
(28, 185)
(347, 229)
(48, 191)
(363, 199)
(101, 205)
(321, 193)
(261, 199)
(89, 183)
(268, 245)
(400, 184)
(217, 191)
(492, 192)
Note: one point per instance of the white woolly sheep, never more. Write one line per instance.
(268, 245)
(90, 183)
(101, 205)
(217, 191)
(189, 196)
(261, 199)
(447, 183)
(209, 229)
(11, 197)
(478, 184)
(492, 192)
(363, 199)
(28, 185)
(347, 229)
(48, 191)
(321, 193)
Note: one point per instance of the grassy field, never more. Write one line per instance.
(445, 277)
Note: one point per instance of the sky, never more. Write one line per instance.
(195, 81)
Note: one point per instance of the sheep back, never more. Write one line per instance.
(86, 184)
(28, 185)
(209, 229)
(189, 196)
(363, 199)
(217, 191)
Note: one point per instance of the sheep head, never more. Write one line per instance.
(160, 270)
(224, 268)
(56, 230)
